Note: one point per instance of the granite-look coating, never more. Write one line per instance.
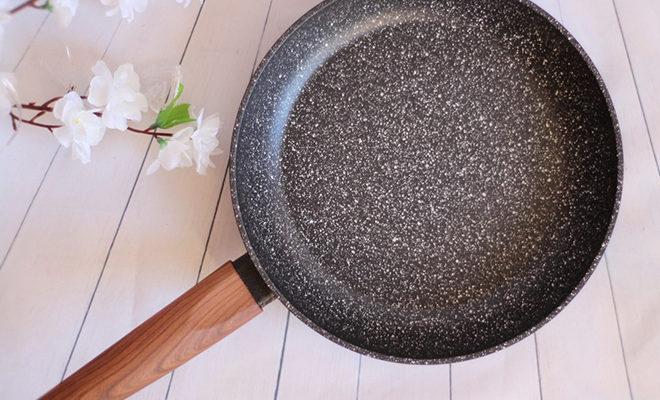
(426, 181)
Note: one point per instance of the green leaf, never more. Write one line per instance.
(48, 6)
(177, 115)
(179, 92)
(173, 114)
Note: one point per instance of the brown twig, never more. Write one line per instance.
(150, 131)
(54, 99)
(15, 118)
(24, 5)
(41, 113)
(47, 108)
(34, 107)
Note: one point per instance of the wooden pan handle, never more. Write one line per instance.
(189, 325)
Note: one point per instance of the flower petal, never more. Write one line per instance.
(155, 166)
(82, 152)
(63, 135)
(119, 93)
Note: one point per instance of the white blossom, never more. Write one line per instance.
(205, 141)
(6, 88)
(174, 152)
(127, 8)
(186, 3)
(82, 128)
(64, 10)
(8, 98)
(4, 18)
(119, 95)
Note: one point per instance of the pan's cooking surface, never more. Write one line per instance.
(425, 179)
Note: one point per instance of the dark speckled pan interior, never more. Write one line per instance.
(426, 181)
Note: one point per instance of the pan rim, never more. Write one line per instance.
(410, 360)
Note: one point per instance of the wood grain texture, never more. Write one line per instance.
(201, 317)
(633, 254)
(243, 366)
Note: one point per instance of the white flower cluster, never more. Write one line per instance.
(115, 99)
(190, 144)
(128, 8)
(6, 93)
(65, 10)
(118, 100)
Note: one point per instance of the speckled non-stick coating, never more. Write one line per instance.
(426, 181)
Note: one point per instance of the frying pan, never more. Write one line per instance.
(419, 181)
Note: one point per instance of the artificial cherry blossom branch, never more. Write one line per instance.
(33, 121)
(15, 119)
(65, 10)
(114, 100)
(45, 108)
(150, 131)
(27, 4)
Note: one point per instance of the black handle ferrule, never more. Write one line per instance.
(253, 281)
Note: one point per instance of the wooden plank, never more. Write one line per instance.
(549, 6)
(283, 14)
(633, 254)
(641, 33)
(381, 380)
(509, 374)
(316, 368)
(159, 248)
(51, 272)
(579, 351)
(19, 33)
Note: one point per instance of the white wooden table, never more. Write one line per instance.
(89, 252)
